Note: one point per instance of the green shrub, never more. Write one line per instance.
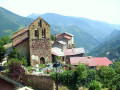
(24, 62)
(94, 85)
(2, 52)
(106, 75)
(72, 78)
(6, 72)
(52, 37)
(18, 57)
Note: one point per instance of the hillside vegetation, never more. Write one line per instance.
(11, 22)
(87, 33)
(110, 48)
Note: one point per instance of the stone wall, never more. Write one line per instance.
(40, 48)
(42, 82)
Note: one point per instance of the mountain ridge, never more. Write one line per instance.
(11, 22)
(109, 48)
(95, 28)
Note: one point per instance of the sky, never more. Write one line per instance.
(102, 10)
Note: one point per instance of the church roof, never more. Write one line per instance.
(20, 32)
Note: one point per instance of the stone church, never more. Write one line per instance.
(34, 42)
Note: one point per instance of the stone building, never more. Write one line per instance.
(34, 42)
(64, 47)
(64, 41)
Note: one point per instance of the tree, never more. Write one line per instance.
(2, 52)
(6, 39)
(24, 61)
(52, 37)
(72, 78)
(117, 67)
(15, 69)
(94, 85)
(1, 43)
(20, 57)
(116, 82)
(13, 53)
(106, 75)
(80, 74)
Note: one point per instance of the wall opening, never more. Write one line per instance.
(43, 33)
(36, 33)
(42, 60)
(39, 23)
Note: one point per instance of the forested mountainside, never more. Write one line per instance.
(110, 48)
(10, 22)
(87, 33)
(13, 22)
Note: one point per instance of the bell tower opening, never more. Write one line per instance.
(43, 33)
(39, 23)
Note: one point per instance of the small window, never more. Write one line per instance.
(43, 33)
(36, 33)
(39, 23)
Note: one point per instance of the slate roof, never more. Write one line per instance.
(74, 51)
(93, 61)
(20, 32)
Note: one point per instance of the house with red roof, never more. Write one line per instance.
(64, 40)
(67, 53)
(64, 47)
(91, 62)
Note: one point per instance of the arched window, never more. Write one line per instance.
(42, 60)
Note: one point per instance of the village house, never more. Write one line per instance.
(67, 53)
(64, 47)
(91, 62)
(34, 42)
(64, 41)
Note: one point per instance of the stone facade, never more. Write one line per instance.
(39, 42)
(34, 42)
